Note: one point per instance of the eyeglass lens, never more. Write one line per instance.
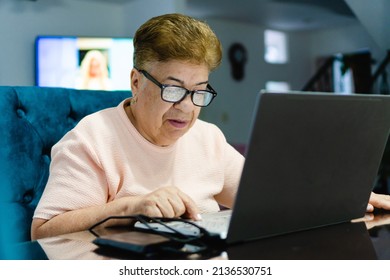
(176, 94)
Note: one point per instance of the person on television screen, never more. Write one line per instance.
(151, 154)
(93, 72)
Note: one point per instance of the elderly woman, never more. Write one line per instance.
(151, 154)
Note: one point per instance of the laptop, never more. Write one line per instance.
(311, 161)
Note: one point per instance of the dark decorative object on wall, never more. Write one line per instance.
(238, 58)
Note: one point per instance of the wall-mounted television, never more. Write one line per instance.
(83, 62)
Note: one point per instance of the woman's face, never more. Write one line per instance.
(160, 122)
(94, 68)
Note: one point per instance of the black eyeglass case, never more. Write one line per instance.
(136, 242)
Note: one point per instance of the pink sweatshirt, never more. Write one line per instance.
(104, 158)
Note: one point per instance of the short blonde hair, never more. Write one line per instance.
(176, 37)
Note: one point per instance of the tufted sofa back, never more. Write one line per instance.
(32, 120)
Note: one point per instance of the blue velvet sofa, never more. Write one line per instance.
(32, 120)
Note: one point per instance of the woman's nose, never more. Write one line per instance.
(186, 105)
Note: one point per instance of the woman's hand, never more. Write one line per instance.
(166, 202)
(377, 220)
(381, 201)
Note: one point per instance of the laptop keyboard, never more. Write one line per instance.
(213, 222)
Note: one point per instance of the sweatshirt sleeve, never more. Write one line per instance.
(76, 178)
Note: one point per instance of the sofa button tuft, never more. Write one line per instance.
(45, 158)
(27, 197)
(20, 113)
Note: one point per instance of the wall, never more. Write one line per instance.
(136, 12)
(232, 110)
(21, 21)
(375, 18)
(346, 39)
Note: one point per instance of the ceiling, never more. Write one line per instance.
(288, 15)
(277, 14)
(295, 15)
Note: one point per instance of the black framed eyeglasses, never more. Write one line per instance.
(176, 94)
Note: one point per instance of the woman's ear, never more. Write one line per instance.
(134, 81)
